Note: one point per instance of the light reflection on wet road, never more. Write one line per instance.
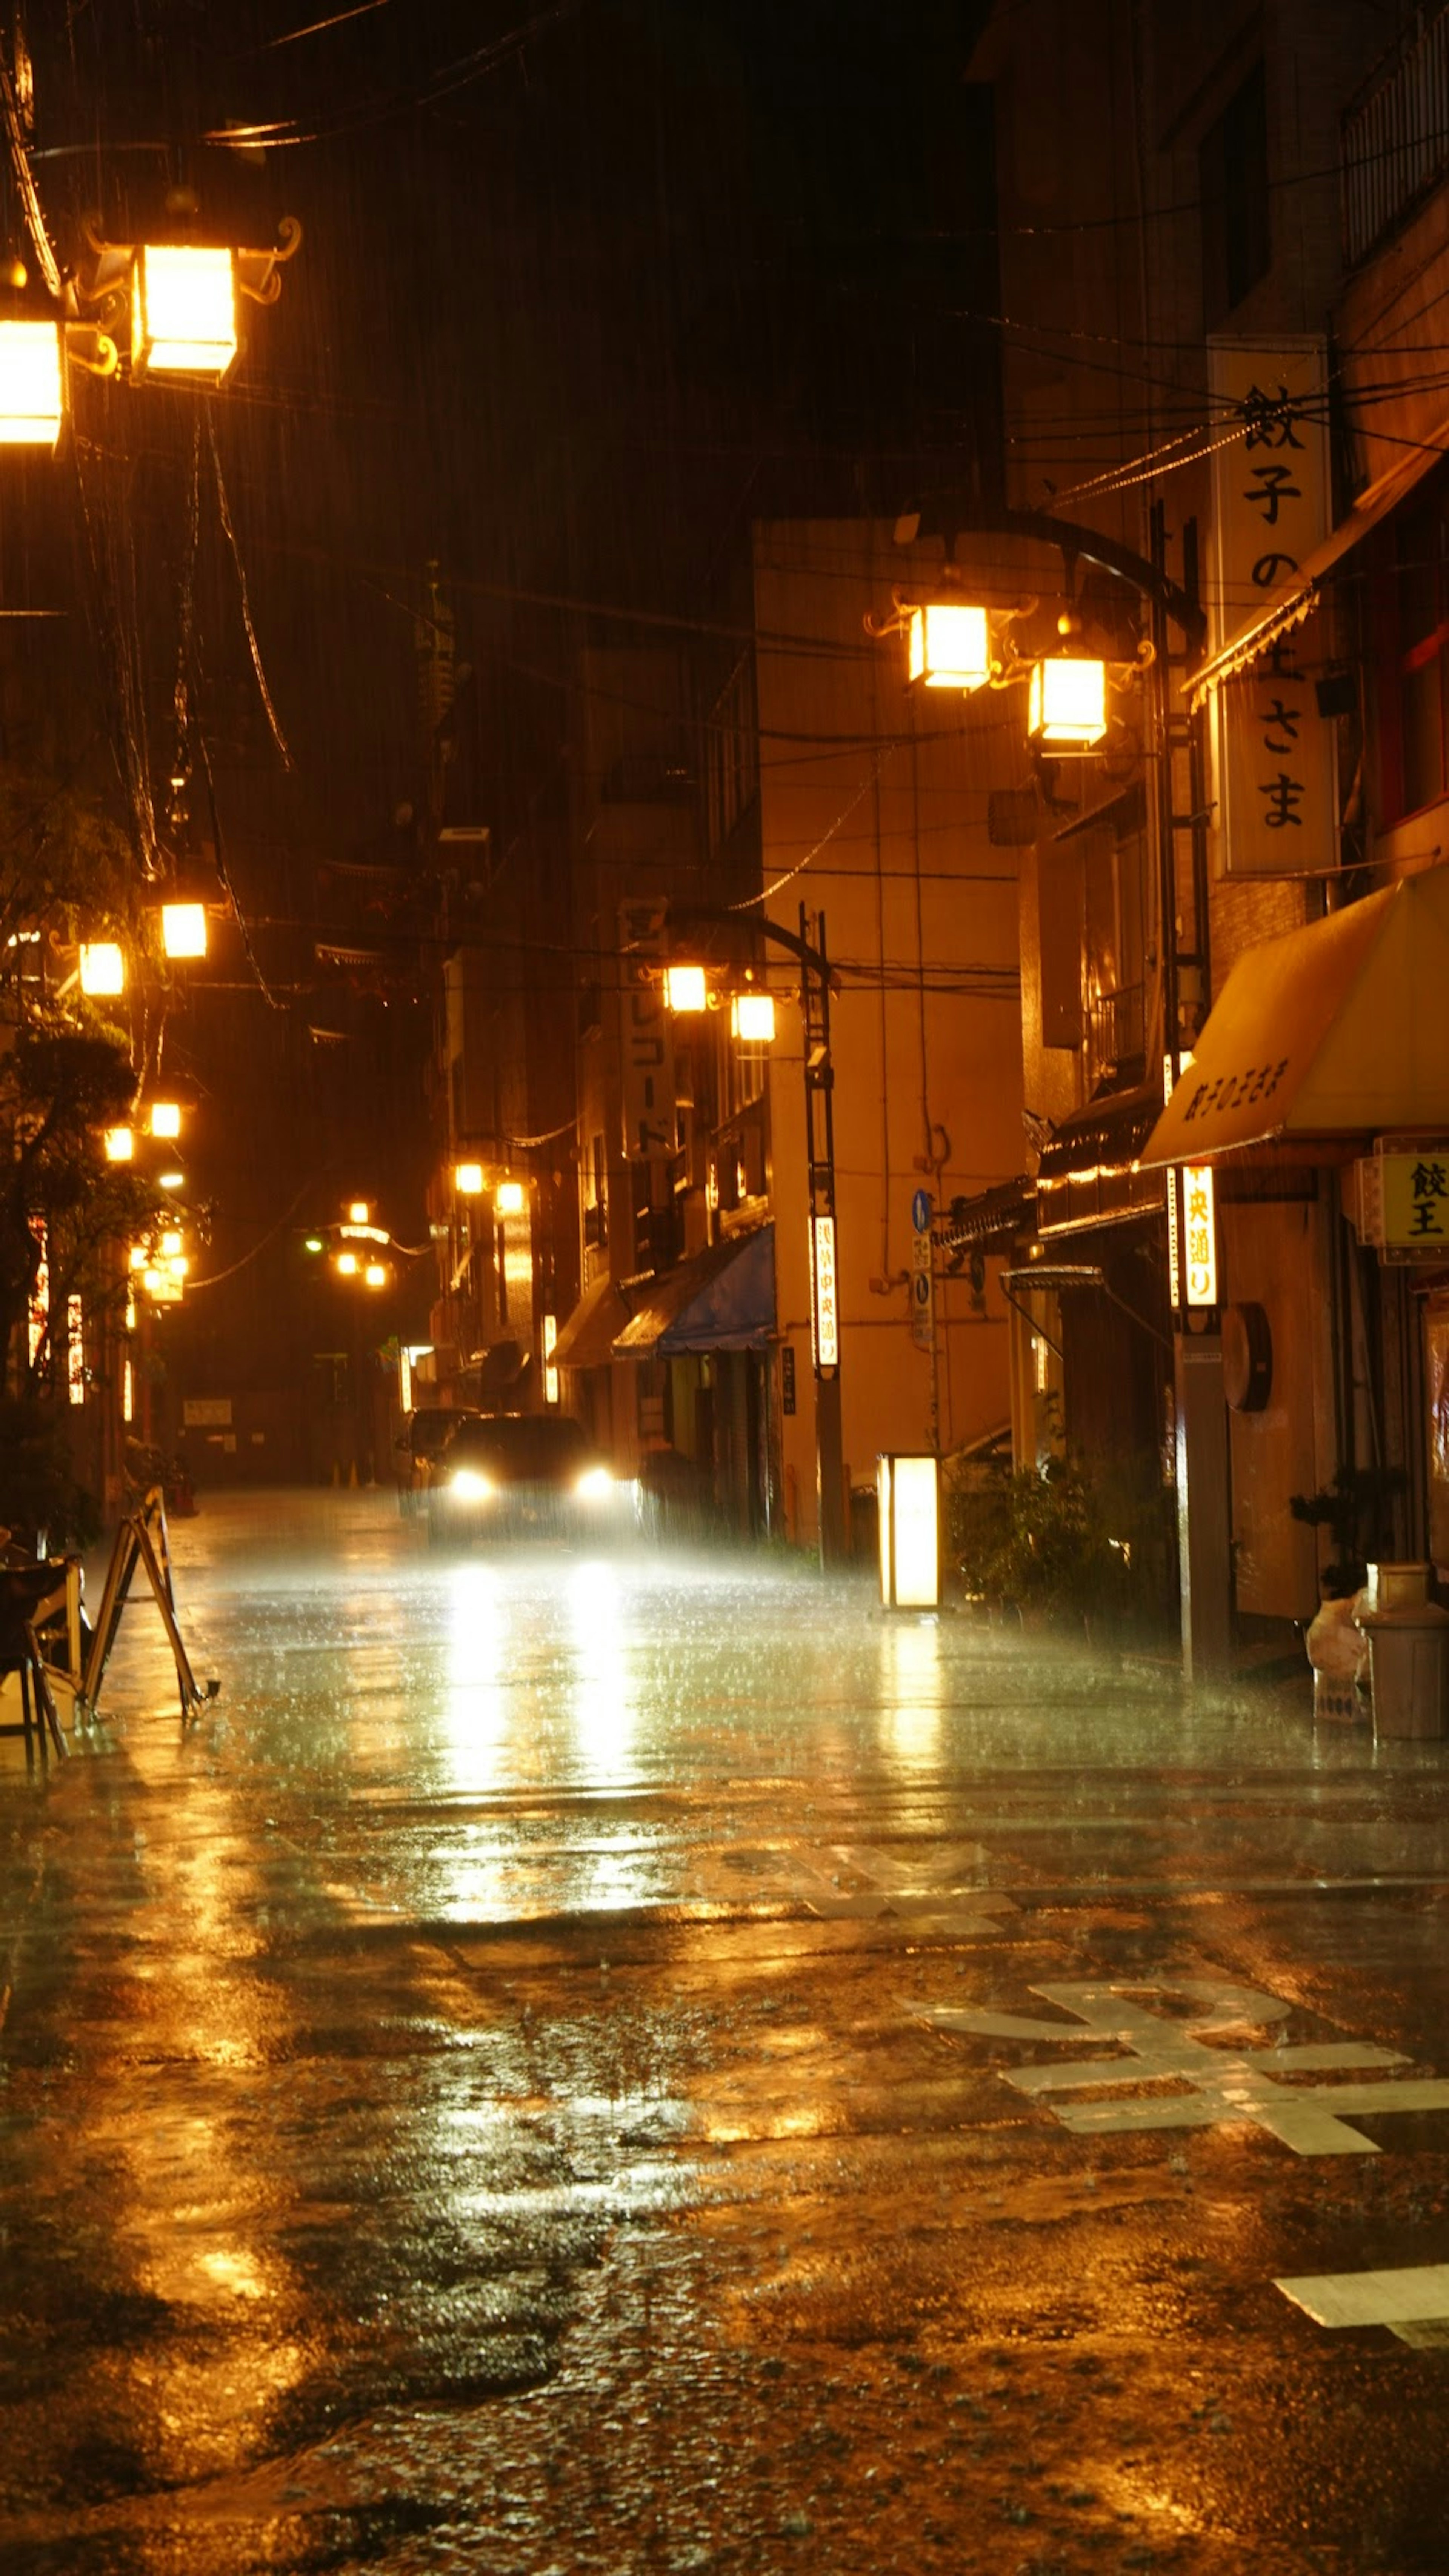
(473, 2102)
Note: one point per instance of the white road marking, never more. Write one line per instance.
(1413, 2303)
(1215, 2086)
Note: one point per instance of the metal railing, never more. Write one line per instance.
(1395, 135)
(1116, 1027)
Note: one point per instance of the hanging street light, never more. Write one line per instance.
(102, 967)
(183, 929)
(468, 1180)
(509, 1199)
(183, 311)
(32, 383)
(686, 988)
(752, 1018)
(1067, 705)
(166, 1118)
(120, 1144)
(948, 645)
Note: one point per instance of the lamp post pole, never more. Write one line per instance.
(1178, 853)
(815, 980)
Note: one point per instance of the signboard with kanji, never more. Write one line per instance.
(1403, 1203)
(1271, 508)
(1192, 1235)
(646, 1035)
(825, 1311)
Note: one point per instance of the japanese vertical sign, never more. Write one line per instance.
(1271, 507)
(646, 1037)
(825, 1313)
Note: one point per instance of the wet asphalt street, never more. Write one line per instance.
(653, 2067)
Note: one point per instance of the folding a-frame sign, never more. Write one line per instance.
(142, 1540)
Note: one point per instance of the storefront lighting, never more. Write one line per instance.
(686, 988)
(120, 1144)
(183, 929)
(32, 383)
(1067, 705)
(171, 1242)
(102, 967)
(948, 645)
(550, 1373)
(509, 1199)
(468, 1180)
(183, 311)
(752, 1018)
(137, 1257)
(166, 1118)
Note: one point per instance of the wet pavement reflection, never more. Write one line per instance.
(648, 2064)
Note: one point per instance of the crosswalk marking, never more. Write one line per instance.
(1412, 2302)
(1215, 2086)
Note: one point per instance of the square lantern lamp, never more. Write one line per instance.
(508, 1199)
(1067, 709)
(120, 1144)
(183, 929)
(686, 988)
(166, 1118)
(468, 1180)
(32, 383)
(908, 1493)
(949, 645)
(752, 1017)
(102, 967)
(183, 311)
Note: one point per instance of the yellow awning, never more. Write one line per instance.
(1297, 597)
(1338, 1029)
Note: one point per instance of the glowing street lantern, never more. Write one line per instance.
(685, 988)
(1067, 708)
(120, 1144)
(183, 311)
(183, 929)
(171, 1180)
(509, 1199)
(165, 1117)
(359, 1210)
(468, 1180)
(32, 383)
(171, 1242)
(102, 967)
(375, 1275)
(908, 1491)
(347, 1264)
(948, 646)
(137, 1257)
(752, 1018)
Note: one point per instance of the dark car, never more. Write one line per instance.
(420, 1445)
(526, 1475)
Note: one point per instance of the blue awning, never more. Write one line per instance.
(722, 1300)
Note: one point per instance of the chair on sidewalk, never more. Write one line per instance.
(23, 1588)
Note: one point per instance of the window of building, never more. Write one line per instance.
(1237, 241)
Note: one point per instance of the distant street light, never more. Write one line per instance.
(752, 1018)
(165, 1117)
(102, 967)
(468, 1180)
(509, 1199)
(120, 1144)
(686, 988)
(183, 929)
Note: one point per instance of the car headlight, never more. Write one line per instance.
(595, 1485)
(469, 1485)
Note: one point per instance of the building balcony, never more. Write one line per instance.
(1394, 144)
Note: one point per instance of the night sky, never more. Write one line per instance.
(580, 292)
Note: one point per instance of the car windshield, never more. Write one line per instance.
(532, 1449)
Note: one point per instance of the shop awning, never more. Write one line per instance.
(1297, 597)
(722, 1300)
(587, 1339)
(1089, 1173)
(1339, 1029)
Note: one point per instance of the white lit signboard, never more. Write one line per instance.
(826, 1314)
